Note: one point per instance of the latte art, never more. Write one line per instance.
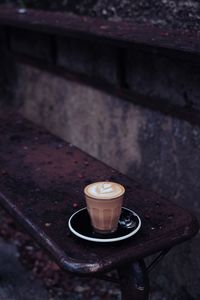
(104, 190)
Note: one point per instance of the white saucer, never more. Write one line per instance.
(79, 224)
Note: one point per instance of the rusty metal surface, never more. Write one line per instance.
(121, 33)
(41, 185)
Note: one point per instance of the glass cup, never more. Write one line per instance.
(104, 202)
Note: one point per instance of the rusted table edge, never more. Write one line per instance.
(121, 33)
(82, 268)
(57, 254)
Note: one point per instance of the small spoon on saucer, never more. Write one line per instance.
(127, 221)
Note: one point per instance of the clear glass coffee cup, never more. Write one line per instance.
(104, 203)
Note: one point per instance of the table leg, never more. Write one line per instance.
(134, 281)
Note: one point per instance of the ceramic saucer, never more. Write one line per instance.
(129, 224)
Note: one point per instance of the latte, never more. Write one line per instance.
(104, 202)
(104, 190)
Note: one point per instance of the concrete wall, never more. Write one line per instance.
(161, 151)
(170, 82)
(173, 79)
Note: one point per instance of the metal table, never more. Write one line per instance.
(41, 185)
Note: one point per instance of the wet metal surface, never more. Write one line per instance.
(41, 185)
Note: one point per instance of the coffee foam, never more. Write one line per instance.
(104, 190)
